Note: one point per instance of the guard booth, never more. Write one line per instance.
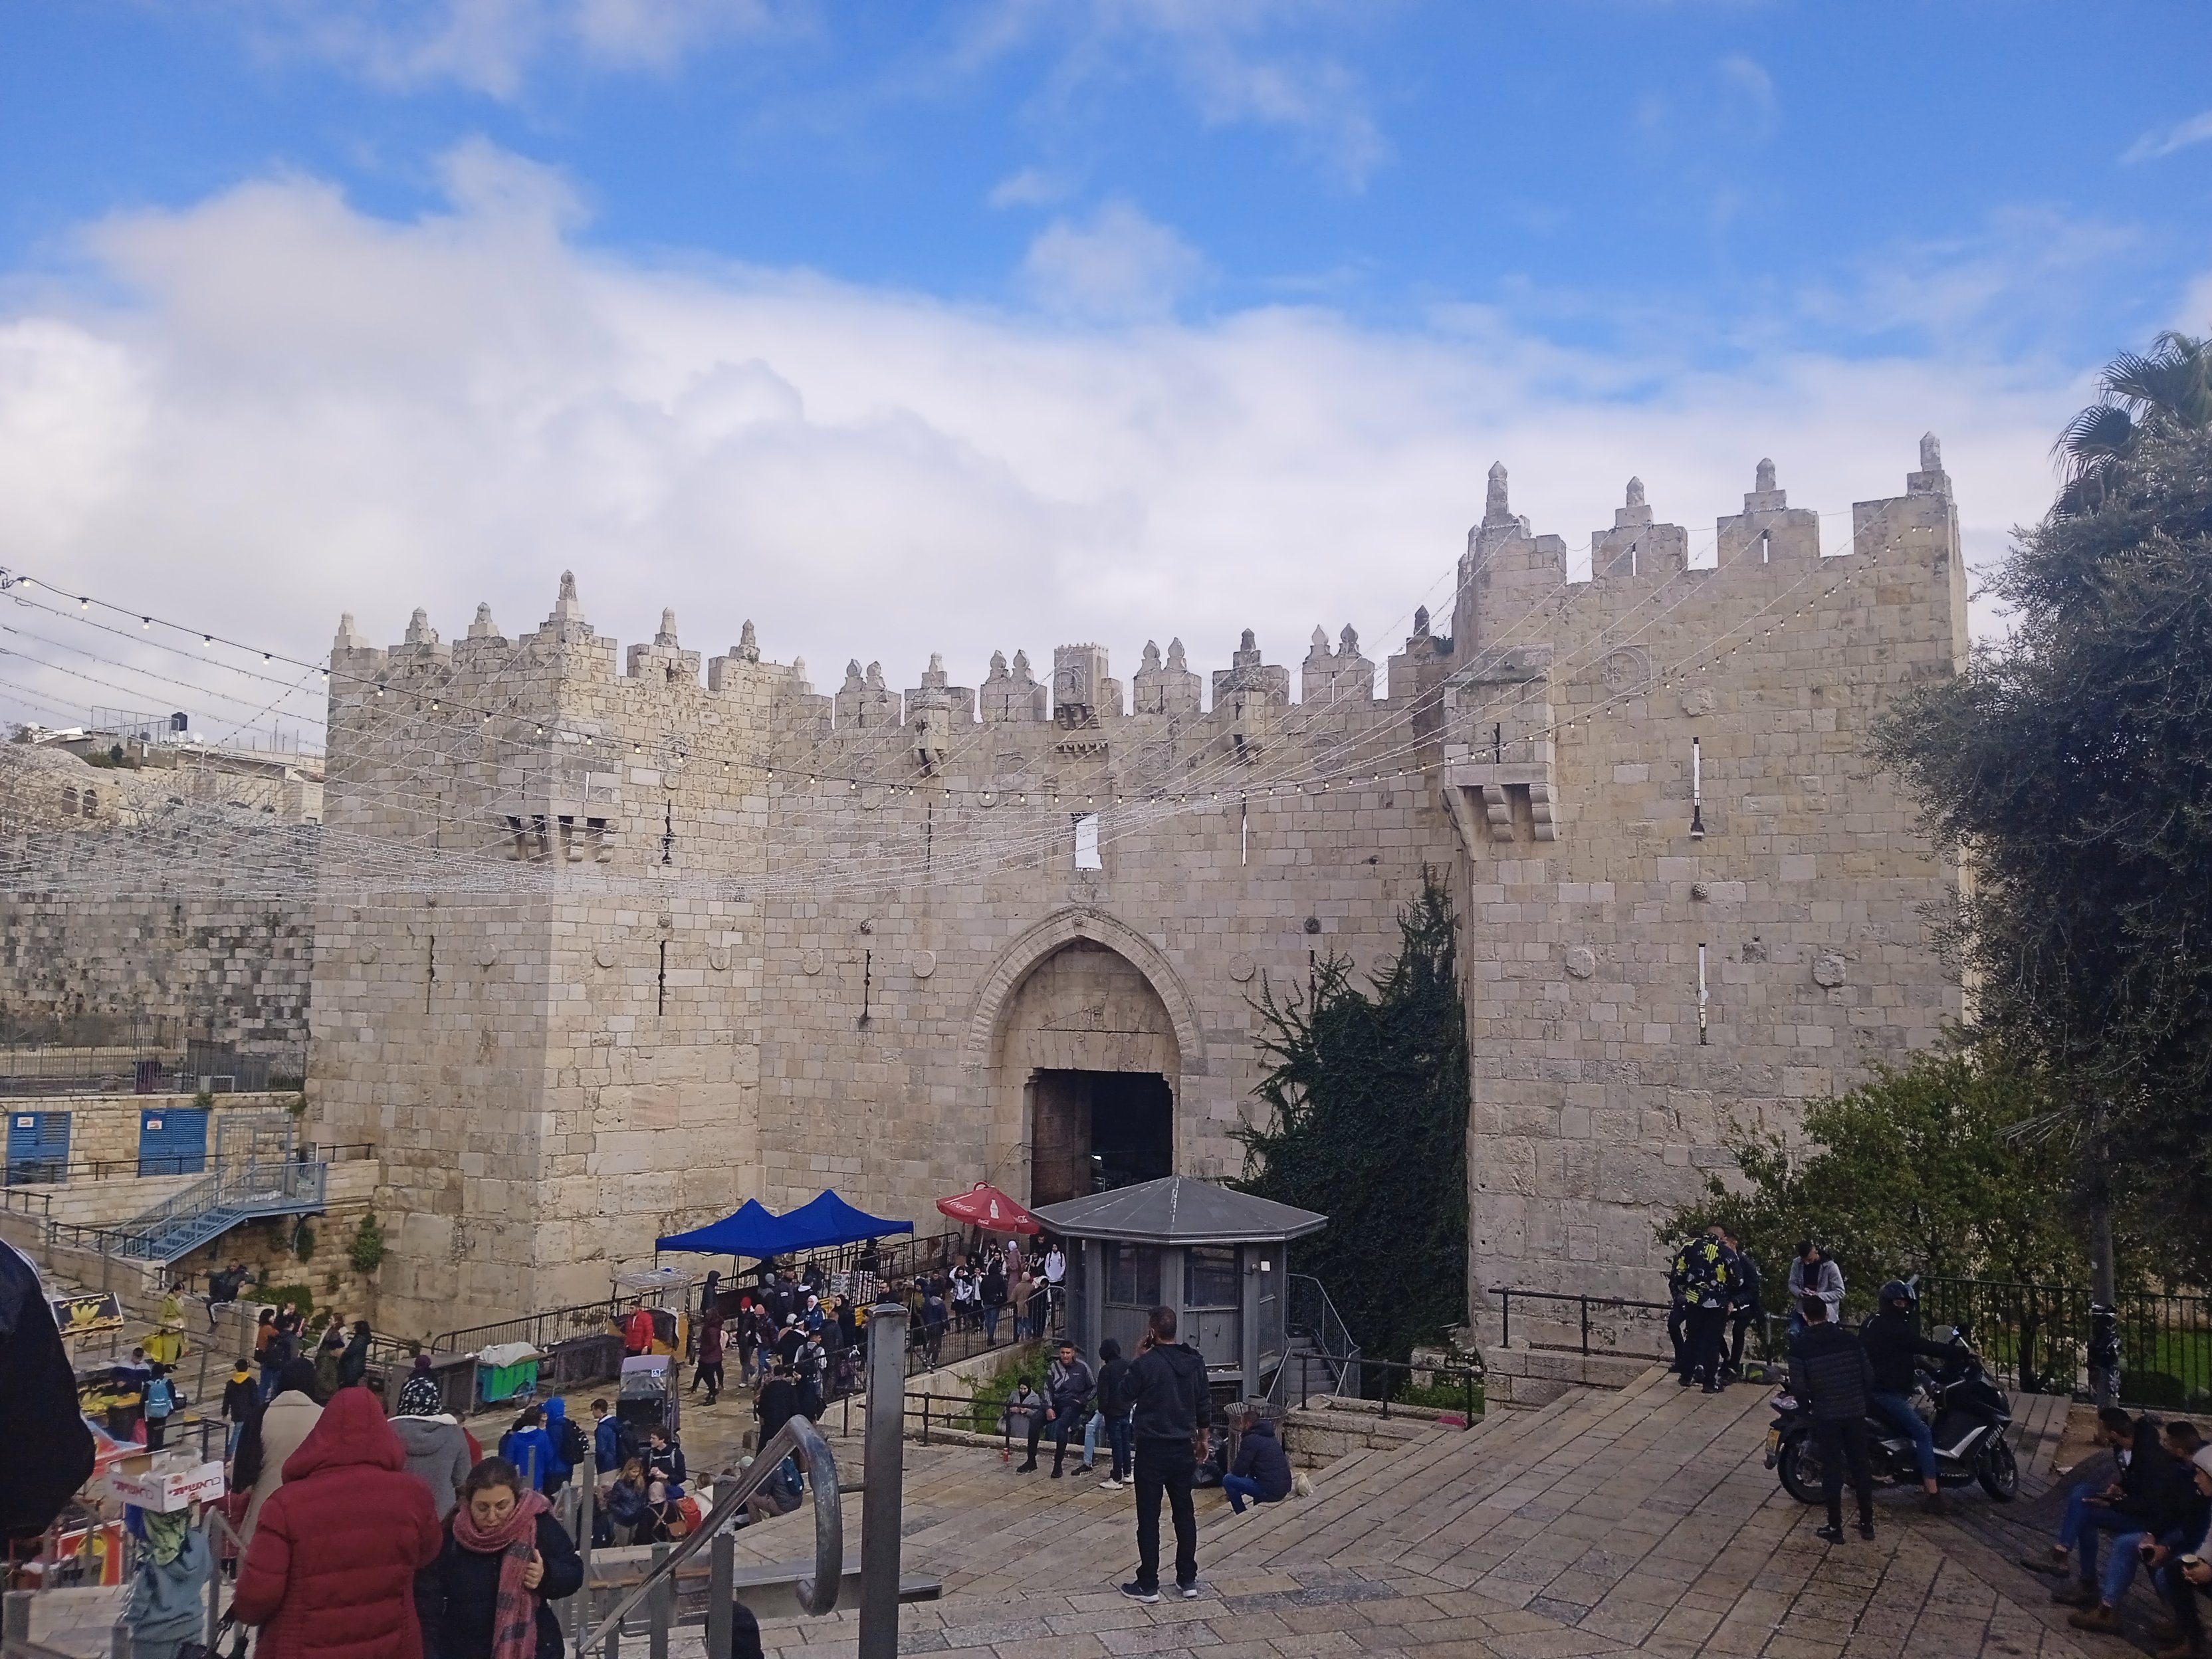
(1217, 1256)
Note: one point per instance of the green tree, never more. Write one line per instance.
(1367, 1105)
(1950, 1166)
(2159, 393)
(2072, 768)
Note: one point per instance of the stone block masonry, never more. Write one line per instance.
(776, 941)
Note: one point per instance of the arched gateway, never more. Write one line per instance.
(1081, 1040)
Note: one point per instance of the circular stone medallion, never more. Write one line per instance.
(487, 955)
(367, 953)
(810, 963)
(925, 964)
(1582, 962)
(718, 957)
(1242, 968)
(606, 954)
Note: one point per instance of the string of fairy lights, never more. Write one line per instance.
(421, 750)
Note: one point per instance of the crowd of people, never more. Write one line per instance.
(2153, 1515)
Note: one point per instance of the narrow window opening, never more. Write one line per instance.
(1631, 558)
(668, 835)
(868, 983)
(1701, 1034)
(430, 984)
(661, 1000)
(928, 834)
(1086, 842)
(1765, 546)
(1243, 833)
(1697, 791)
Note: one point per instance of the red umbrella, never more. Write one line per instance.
(984, 1205)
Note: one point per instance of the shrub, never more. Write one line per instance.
(366, 1252)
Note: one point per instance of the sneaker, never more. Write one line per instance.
(2055, 1564)
(2099, 1617)
(1189, 1591)
(1714, 1387)
(1109, 1485)
(1084, 1469)
(1137, 1592)
(1831, 1534)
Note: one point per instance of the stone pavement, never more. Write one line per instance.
(1642, 1522)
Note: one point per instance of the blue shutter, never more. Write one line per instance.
(38, 1146)
(171, 1141)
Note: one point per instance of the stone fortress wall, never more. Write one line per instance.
(763, 940)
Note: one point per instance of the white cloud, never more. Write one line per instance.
(1751, 95)
(491, 46)
(306, 409)
(2164, 141)
(1117, 265)
(1029, 187)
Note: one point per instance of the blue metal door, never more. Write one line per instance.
(172, 1142)
(38, 1146)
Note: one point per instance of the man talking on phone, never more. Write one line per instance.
(1171, 1411)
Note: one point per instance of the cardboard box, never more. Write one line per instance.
(167, 1488)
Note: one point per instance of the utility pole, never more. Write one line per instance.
(2104, 1315)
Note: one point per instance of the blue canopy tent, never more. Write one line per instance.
(828, 1219)
(752, 1229)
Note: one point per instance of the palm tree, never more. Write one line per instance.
(2166, 389)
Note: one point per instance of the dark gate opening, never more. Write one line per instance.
(1091, 1131)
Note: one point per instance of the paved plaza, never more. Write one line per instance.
(1642, 1520)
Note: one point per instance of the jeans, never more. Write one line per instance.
(1166, 1466)
(1898, 1408)
(1117, 1434)
(2120, 1566)
(1091, 1438)
(1843, 1443)
(1739, 1322)
(1063, 1431)
(1702, 1344)
(1242, 1486)
(1678, 1326)
(991, 1322)
(2096, 1518)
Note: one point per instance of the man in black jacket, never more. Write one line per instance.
(2154, 1499)
(1171, 1410)
(1705, 1273)
(1893, 1341)
(1829, 1372)
(1744, 1305)
(1067, 1385)
(1113, 1407)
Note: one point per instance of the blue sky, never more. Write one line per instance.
(1139, 316)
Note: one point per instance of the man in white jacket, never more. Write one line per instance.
(1812, 1273)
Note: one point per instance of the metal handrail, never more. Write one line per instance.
(816, 1595)
(1506, 1293)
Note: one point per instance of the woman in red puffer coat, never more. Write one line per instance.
(331, 1571)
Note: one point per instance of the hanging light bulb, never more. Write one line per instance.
(145, 621)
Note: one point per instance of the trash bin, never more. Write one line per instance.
(505, 1371)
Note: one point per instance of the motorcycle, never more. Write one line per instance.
(1972, 1417)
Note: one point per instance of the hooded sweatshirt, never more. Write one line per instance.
(531, 1451)
(1167, 1388)
(437, 1456)
(1261, 1458)
(331, 1571)
(168, 1601)
(557, 1436)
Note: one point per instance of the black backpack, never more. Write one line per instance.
(576, 1451)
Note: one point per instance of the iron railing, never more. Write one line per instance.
(204, 1210)
(543, 1329)
(30, 1070)
(1390, 1377)
(135, 1169)
(2035, 1338)
(1628, 1305)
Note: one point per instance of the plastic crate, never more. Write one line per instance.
(498, 1382)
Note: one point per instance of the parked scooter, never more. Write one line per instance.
(1972, 1418)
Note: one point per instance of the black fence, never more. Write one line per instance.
(39, 1071)
(2035, 1338)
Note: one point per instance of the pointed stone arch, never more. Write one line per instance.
(1056, 931)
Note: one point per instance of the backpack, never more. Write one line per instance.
(160, 1398)
(575, 1450)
